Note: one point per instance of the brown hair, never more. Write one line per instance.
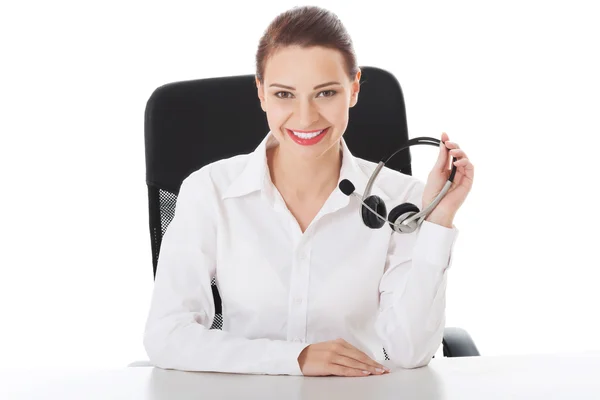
(306, 26)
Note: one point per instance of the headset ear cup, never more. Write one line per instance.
(401, 209)
(377, 204)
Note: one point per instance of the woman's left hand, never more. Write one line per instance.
(443, 214)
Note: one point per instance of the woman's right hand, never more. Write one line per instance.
(337, 357)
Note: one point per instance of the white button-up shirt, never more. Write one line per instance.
(282, 289)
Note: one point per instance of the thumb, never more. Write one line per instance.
(442, 161)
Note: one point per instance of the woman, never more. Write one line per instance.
(306, 287)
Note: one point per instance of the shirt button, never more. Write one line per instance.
(297, 340)
(298, 300)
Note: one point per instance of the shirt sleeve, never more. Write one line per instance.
(412, 289)
(177, 333)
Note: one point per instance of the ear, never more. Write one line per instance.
(261, 93)
(355, 89)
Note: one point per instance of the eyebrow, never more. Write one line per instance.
(315, 88)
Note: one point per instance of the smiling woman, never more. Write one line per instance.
(308, 52)
(306, 288)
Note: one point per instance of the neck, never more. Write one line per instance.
(302, 179)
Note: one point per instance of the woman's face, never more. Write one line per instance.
(298, 95)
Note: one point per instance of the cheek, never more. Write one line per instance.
(279, 109)
(276, 116)
(335, 112)
(338, 107)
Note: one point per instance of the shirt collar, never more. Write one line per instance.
(255, 175)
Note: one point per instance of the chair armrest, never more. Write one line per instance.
(458, 343)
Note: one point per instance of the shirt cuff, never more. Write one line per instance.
(282, 357)
(435, 243)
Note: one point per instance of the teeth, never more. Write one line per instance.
(307, 135)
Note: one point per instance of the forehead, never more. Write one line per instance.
(295, 65)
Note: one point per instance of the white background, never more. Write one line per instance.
(515, 83)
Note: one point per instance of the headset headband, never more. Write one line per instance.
(413, 142)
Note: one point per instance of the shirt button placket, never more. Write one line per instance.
(298, 293)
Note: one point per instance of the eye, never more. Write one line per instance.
(277, 95)
(332, 93)
(284, 94)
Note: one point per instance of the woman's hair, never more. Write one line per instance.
(306, 26)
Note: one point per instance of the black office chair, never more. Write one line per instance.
(192, 123)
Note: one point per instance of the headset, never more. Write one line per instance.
(406, 217)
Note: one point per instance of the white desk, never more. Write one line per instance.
(571, 376)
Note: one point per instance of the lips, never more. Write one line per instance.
(308, 139)
(315, 131)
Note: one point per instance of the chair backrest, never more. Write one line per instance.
(190, 124)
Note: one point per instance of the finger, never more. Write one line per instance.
(352, 352)
(442, 160)
(352, 363)
(340, 370)
(455, 153)
(462, 162)
(458, 153)
(445, 137)
(466, 167)
(452, 145)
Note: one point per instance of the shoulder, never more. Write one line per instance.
(397, 186)
(217, 176)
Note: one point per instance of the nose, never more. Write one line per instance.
(308, 113)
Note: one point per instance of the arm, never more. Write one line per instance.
(413, 294)
(177, 334)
